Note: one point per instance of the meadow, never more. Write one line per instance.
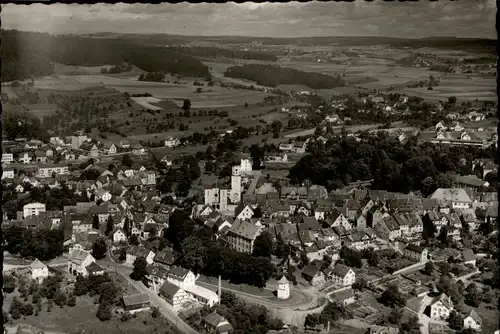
(209, 97)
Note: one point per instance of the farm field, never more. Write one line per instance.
(146, 102)
(461, 86)
(9, 91)
(210, 97)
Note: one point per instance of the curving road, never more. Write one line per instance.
(298, 299)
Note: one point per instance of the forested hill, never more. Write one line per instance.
(272, 76)
(26, 54)
(214, 52)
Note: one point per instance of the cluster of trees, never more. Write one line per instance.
(392, 297)
(273, 76)
(181, 178)
(54, 199)
(395, 317)
(244, 317)
(202, 254)
(23, 125)
(213, 52)
(28, 54)
(43, 244)
(152, 76)
(332, 313)
(393, 166)
(104, 287)
(50, 289)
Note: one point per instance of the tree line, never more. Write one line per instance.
(273, 76)
(43, 244)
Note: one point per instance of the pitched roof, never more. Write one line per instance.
(311, 270)
(140, 298)
(468, 255)
(94, 267)
(451, 194)
(168, 290)
(283, 280)
(415, 248)
(445, 300)
(475, 317)
(37, 264)
(343, 295)
(214, 319)
(164, 256)
(245, 229)
(178, 271)
(340, 270)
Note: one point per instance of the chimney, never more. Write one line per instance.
(219, 291)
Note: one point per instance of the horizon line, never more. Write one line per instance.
(257, 37)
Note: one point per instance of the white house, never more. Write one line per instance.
(119, 235)
(8, 173)
(103, 195)
(473, 321)
(110, 148)
(78, 262)
(343, 275)
(33, 209)
(244, 212)
(39, 270)
(246, 165)
(441, 307)
(172, 142)
(133, 252)
(174, 295)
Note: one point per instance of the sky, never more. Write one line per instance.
(463, 18)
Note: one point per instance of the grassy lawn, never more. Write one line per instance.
(83, 317)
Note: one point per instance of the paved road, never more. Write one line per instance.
(296, 300)
(165, 309)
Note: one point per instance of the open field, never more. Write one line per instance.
(210, 97)
(377, 69)
(146, 102)
(9, 92)
(61, 69)
(461, 86)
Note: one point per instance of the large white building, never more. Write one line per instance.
(49, 169)
(178, 286)
(33, 209)
(217, 197)
(7, 158)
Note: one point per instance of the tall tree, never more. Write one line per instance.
(139, 272)
(263, 245)
(109, 226)
(95, 222)
(99, 249)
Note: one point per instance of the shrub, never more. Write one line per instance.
(104, 312)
